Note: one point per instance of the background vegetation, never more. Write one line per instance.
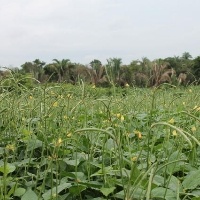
(142, 73)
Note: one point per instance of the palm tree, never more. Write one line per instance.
(161, 72)
(50, 72)
(186, 56)
(61, 68)
(28, 67)
(35, 68)
(97, 71)
(196, 67)
(38, 69)
(113, 69)
(145, 61)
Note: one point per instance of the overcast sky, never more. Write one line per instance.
(83, 30)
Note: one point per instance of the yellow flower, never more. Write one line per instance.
(174, 133)
(59, 140)
(69, 134)
(195, 108)
(118, 115)
(58, 143)
(54, 157)
(10, 147)
(193, 129)
(52, 93)
(55, 104)
(69, 96)
(30, 97)
(127, 134)
(122, 118)
(65, 117)
(138, 133)
(60, 96)
(190, 90)
(93, 86)
(127, 85)
(134, 158)
(171, 121)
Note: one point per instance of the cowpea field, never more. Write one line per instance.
(82, 142)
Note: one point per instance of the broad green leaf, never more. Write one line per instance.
(24, 162)
(71, 162)
(19, 192)
(125, 172)
(107, 191)
(192, 180)
(141, 116)
(64, 196)
(62, 165)
(80, 156)
(138, 193)
(29, 195)
(195, 198)
(77, 189)
(55, 191)
(33, 144)
(131, 174)
(76, 175)
(110, 144)
(96, 164)
(164, 193)
(174, 184)
(120, 195)
(106, 170)
(175, 166)
(158, 180)
(9, 168)
(93, 184)
(196, 193)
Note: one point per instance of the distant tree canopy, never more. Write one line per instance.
(178, 70)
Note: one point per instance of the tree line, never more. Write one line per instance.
(177, 70)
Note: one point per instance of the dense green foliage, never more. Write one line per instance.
(142, 73)
(83, 142)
